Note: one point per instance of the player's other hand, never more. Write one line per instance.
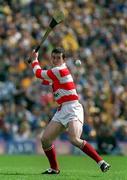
(34, 55)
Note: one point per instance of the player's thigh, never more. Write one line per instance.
(75, 128)
(52, 130)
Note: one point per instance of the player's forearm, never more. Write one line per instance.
(37, 69)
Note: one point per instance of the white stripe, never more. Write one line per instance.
(56, 72)
(61, 92)
(66, 79)
(45, 75)
(36, 67)
(35, 61)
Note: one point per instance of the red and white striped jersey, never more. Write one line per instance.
(64, 89)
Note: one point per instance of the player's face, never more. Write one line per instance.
(57, 59)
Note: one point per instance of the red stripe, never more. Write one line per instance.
(64, 72)
(52, 75)
(67, 98)
(38, 73)
(56, 84)
(67, 86)
(45, 82)
(34, 64)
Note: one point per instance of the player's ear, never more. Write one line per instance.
(64, 59)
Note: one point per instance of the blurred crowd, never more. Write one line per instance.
(94, 31)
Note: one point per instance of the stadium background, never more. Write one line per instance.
(95, 32)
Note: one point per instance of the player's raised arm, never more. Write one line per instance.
(38, 71)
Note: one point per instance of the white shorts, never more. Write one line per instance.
(69, 111)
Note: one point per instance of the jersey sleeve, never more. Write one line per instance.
(45, 82)
(40, 73)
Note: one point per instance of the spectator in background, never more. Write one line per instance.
(106, 141)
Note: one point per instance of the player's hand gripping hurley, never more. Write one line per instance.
(57, 18)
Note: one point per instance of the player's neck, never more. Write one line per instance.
(59, 64)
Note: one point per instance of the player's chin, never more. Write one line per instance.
(55, 63)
